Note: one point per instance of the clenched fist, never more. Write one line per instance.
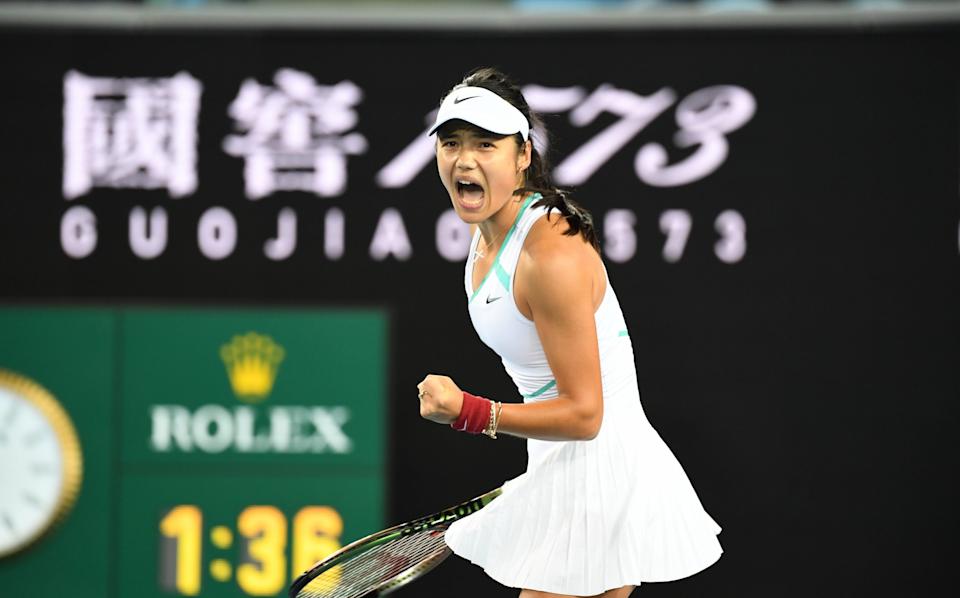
(440, 399)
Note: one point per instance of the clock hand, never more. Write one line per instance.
(6, 520)
(31, 499)
(8, 418)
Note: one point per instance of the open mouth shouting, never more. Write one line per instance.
(469, 193)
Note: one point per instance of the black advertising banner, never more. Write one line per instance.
(778, 212)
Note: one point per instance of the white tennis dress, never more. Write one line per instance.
(587, 516)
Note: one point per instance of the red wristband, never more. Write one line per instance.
(474, 414)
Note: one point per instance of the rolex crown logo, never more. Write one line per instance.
(252, 360)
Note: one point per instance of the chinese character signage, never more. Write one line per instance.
(777, 211)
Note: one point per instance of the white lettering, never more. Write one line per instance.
(122, 133)
(78, 232)
(301, 431)
(243, 429)
(212, 428)
(333, 234)
(295, 135)
(247, 438)
(676, 224)
(217, 233)
(170, 423)
(453, 236)
(148, 239)
(390, 237)
(329, 426)
(411, 160)
(704, 117)
(620, 239)
(552, 100)
(636, 112)
(281, 428)
(732, 245)
(286, 242)
(215, 429)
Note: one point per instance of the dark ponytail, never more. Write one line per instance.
(537, 179)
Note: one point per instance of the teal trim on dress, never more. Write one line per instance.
(623, 333)
(501, 273)
(541, 390)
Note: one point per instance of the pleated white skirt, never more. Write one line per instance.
(589, 516)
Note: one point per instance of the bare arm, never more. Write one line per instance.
(559, 279)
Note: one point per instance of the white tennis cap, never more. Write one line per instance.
(483, 108)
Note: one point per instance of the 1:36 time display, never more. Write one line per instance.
(261, 567)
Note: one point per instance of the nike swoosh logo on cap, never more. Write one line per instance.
(458, 100)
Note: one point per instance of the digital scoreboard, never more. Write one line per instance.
(223, 451)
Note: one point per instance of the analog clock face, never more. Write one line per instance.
(39, 462)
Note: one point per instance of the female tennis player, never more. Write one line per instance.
(604, 505)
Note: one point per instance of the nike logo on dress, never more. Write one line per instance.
(458, 100)
(489, 300)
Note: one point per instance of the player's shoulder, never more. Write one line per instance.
(551, 232)
(549, 250)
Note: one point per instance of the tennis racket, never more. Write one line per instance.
(385, 561)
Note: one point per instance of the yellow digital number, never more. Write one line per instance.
(183, 524)
(316, 534)
(265, 529)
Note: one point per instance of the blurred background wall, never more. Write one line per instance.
(227, 258)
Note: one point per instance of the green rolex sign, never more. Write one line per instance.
(235, 447)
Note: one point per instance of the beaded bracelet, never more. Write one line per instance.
(495, 410)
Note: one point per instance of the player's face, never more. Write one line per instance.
(480, 170)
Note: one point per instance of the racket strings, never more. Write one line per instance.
(368, 570)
